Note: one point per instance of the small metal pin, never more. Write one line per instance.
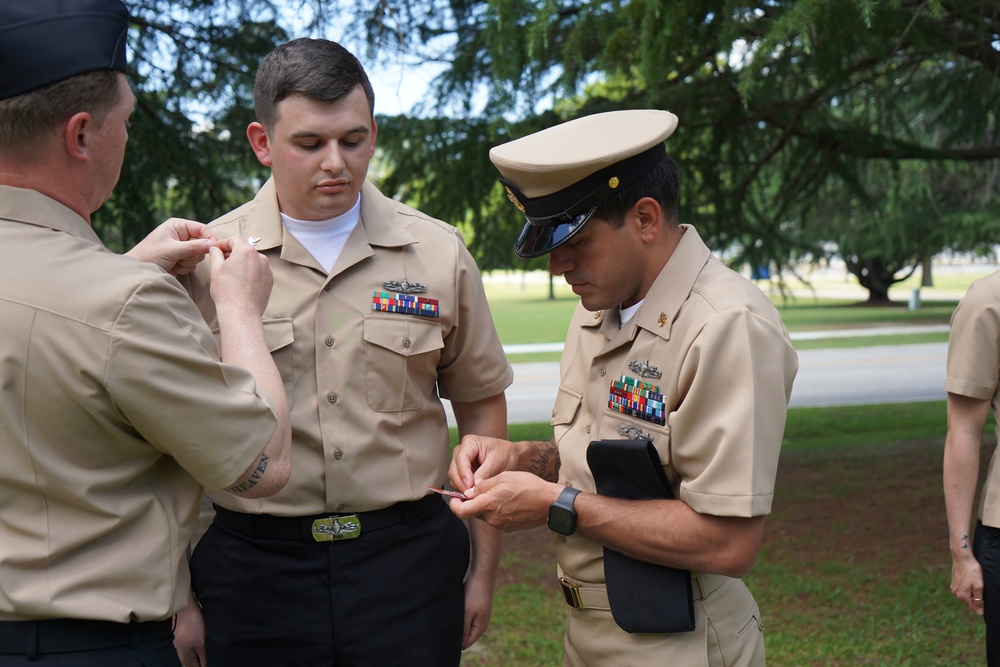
(253, 240)
(404, 286)
(644, 369)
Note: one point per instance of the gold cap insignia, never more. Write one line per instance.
(613, 183)
(513, 198)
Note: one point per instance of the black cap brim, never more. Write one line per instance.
(535, 240)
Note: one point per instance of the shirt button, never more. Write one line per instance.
(562, 538)
(332, 397)
(327, 288)
(329, 341)
(338, 454)
(588, 429)
(406, 343)
(604, 372)
(340, 507)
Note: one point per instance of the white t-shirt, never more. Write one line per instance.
(324, 239)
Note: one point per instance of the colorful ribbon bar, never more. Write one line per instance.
(637, 399)
(408, 304)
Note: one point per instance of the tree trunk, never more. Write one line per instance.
(552, 287)
(926, 279)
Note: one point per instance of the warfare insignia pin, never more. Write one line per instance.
(404, 286)
(633, 432)
(253, 240)
(644, 369)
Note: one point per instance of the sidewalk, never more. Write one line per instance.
(529, 348)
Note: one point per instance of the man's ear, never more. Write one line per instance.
(371, 139)
(648, 215)
(260, 143)
(77, 133)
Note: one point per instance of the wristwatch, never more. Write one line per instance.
(562, 516)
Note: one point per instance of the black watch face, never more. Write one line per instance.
(562, 520)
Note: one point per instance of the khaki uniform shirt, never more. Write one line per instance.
(114, 411)
(974, 368)
(368, 428)
(726, 365)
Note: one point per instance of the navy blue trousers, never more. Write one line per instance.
(986, 549)
(393, 596)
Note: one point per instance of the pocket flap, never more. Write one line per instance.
(404, 336)
(566, 406)
(278, 333)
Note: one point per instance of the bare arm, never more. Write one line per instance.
(667, 532)
(241, 285)
(966, 419)
(489, 418)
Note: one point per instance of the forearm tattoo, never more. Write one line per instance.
(254, 477)
(546, 462)
(965, 541)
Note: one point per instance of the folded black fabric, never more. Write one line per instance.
(644, 597)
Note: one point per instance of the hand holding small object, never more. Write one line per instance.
(445, 492)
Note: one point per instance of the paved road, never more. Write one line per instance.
(841, 376)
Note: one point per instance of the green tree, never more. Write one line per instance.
(777, 99)
(192, 64)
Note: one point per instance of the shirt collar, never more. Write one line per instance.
(34, 208)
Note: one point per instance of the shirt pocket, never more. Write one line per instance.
(401, 358)
(279, 336)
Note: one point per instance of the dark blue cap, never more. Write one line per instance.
(45, 41)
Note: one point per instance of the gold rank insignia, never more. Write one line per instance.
(662, 320)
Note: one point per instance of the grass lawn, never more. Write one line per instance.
(523, 313)
(854, 568)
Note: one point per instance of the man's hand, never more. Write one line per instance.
(967, 582)
(176, 246)
(509, 501)
(241, 277)
(478, 608)
(189, 635)
(478, 458)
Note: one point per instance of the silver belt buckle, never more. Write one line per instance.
(336, 528)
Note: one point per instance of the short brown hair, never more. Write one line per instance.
(25, 117)
(315, 68)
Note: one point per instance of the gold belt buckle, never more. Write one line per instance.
(336, 528)
(571, 591)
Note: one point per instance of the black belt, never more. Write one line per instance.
(323, 527)
(62, 635)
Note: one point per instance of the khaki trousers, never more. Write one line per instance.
(728, 633)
